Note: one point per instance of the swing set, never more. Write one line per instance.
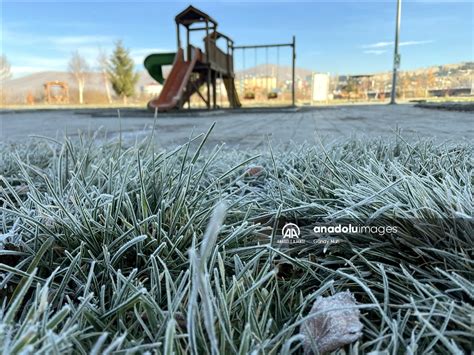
(273, 93)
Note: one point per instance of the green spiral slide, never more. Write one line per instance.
(154, 63)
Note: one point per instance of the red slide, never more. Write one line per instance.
(176, 81)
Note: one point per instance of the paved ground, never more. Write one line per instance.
(248, 128)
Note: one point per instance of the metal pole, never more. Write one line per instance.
(208, 79)
(396, 55)
(214, 91)
(265, 46)
(293, 73)
(188, 48)
(178, 39)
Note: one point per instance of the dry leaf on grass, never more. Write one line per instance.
(338, 324)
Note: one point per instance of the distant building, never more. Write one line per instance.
(320, 87)
(152, 89)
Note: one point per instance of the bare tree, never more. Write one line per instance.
(79, 68)
(5, 69)
(5, 74)
(103, 63)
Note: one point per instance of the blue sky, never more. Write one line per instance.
(337, 37)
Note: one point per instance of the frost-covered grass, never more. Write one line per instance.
(107, 249)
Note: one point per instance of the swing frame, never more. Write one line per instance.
(292, 44)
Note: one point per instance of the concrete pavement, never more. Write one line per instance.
(248, 129)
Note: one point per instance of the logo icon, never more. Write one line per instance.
(290, 234)
(290, 231)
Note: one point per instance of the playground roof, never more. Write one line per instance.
(191, 15)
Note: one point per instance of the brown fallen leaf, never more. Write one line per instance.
(336, 326)
(254, 171)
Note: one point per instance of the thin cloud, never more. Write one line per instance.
(391, 43)
(59, 48)
(375, 51)
(415, 43)
(378, 45)
(20, 70)
(79, 40)
(35, 64)
(57, 42)
(42, 61)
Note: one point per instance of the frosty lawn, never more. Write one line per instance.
(109, 249)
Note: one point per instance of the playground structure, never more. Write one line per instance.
(192, 68)
(56, 92)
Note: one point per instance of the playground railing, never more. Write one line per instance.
(218, 59)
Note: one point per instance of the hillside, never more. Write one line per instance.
(282, 72)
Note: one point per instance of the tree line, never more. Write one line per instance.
(116, 70)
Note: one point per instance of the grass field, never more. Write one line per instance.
(112, 249)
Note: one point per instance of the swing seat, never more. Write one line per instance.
(272, 95)
(249, 96)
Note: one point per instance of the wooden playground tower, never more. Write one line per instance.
(193, 68)
(215, 63)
